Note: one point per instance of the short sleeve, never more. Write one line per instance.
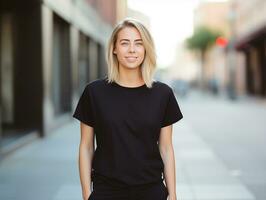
(83, 111)
(172, 111)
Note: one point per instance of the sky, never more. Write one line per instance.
(171, 23)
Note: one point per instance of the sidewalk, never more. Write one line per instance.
(201, 175)
(48, 170)
(44, 170)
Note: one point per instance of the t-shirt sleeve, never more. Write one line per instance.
(83, 111)
(172, 111)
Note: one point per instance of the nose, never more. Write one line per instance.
(132, 48)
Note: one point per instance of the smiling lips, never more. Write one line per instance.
(131, 58)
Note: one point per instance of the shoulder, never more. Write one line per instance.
(162, 86)
(95, 84)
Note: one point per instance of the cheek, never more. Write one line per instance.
(120, 56)
(121, 51)
(142, 52)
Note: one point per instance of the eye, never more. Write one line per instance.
(139, 43)
(124, 43)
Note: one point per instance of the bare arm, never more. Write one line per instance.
(86, 152)
(167, 153)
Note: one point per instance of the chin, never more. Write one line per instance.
(133, 67)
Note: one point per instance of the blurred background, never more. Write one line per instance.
(212, 53)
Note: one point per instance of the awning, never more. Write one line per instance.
(244, 42)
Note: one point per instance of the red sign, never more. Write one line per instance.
(221, 41)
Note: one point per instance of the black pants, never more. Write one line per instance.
(104, 191)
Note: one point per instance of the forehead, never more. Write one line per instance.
(128, 33)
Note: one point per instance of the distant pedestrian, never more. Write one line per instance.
(131, 116)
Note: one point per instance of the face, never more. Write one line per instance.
(129, 48)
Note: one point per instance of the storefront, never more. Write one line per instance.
(49, 50)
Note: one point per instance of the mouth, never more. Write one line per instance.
(131, 59)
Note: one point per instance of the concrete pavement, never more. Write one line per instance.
(44, 170)
(48, 169)
(235, 131)
(201, 175)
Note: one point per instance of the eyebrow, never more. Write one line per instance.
(129, 40)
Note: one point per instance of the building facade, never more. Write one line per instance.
(49, 50)
(249, 22)
(214, 15)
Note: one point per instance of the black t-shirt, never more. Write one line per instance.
(127, 123)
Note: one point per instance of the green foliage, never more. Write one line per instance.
(202, 39)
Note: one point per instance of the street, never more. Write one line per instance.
(219, 154)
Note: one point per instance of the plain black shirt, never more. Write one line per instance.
(127, 123)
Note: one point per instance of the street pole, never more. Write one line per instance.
(232, 54)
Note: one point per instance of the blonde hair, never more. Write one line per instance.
(148, 65)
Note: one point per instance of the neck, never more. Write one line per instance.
(130, 77)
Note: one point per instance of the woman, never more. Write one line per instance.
(131, 116)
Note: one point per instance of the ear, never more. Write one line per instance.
(114, 51)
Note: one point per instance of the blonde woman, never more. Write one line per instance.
(131, 116)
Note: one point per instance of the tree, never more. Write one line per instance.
(202, 39)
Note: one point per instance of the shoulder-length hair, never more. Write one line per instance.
(148, 65)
